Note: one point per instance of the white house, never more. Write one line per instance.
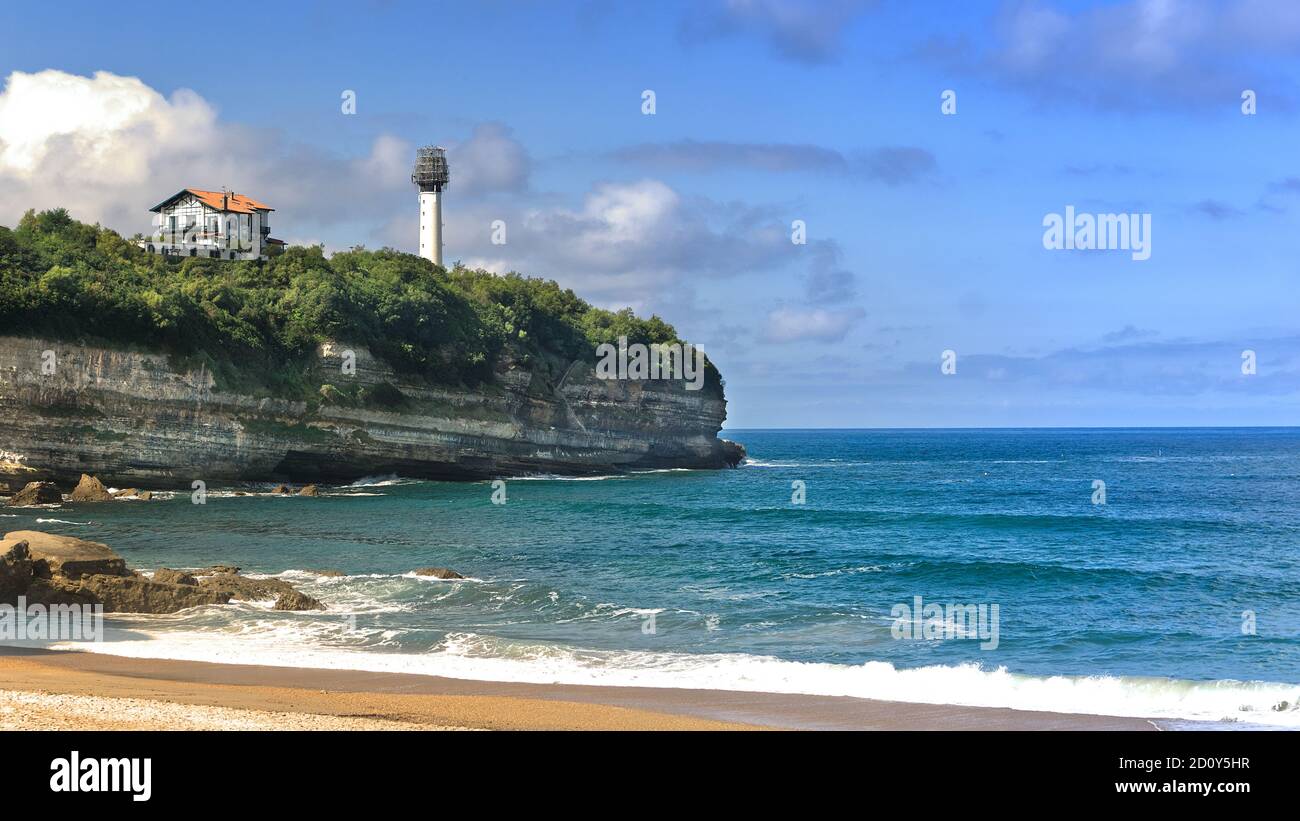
(216, 224)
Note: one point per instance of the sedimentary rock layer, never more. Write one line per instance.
(136, 418)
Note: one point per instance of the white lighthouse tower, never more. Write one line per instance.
(431, 177)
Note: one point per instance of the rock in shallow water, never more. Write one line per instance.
(438, 572)
(246, 589)
(66, 556)
(37, 493)
(90, 489)
(166, 574)
(293, 600)
(48, 568)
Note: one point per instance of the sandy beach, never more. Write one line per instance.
(77, 690)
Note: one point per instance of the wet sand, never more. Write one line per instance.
(299, 698)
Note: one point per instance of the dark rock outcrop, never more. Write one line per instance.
(733, 453)
(217, 568)
(294, 600)
(309, 490)
(15, 569)
(90, 489)
(281, 490)
(136, 594)
(166, 574)
(36, 493)
(245, 589)
(437, 572)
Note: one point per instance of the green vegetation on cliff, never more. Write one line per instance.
(257, 324)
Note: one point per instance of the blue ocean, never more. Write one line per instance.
(1176, 598)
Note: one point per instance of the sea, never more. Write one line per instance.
(1124, 572)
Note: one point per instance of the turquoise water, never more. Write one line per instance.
(715, 579)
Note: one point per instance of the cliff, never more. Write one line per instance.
(137, 418)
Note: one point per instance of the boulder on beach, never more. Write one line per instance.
(66, 556)
(90, 489)
(438, 572)
(166, 574)
(309, 490)
(48, 568)
(37, 493)
(136, 594)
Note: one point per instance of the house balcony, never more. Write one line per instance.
(204, 244)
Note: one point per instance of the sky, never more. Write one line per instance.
(921, 147)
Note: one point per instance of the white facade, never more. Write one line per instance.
(189, 226)
(431, 226)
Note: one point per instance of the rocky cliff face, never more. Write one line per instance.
(132, 418)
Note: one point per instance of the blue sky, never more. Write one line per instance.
(924, 229)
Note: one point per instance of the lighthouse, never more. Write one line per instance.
(431, 176)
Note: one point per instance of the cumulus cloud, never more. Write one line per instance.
(804, 31)
(626, 243)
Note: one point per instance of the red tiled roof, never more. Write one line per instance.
(221, 201)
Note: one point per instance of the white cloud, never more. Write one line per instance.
(815, 324)
(101, 129)
(639, 243)
(490, 160)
